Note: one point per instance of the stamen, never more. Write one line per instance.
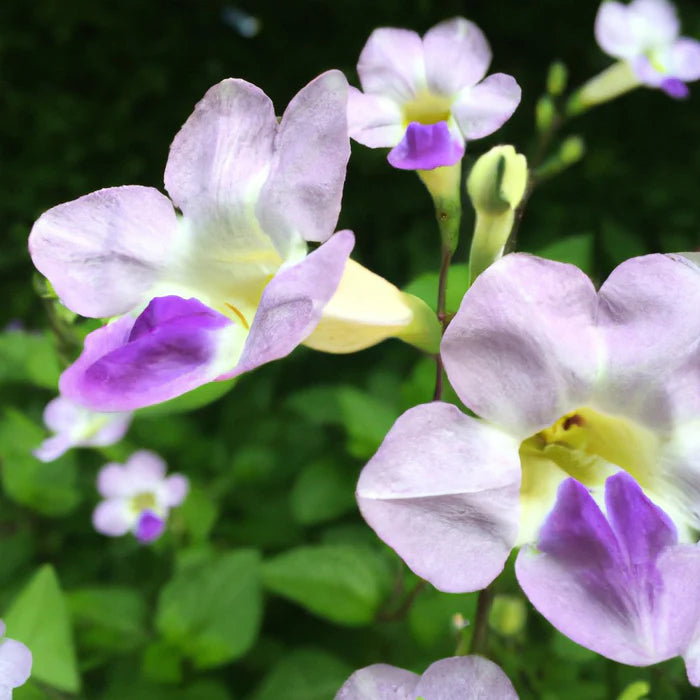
(570, 421)
(239, 314)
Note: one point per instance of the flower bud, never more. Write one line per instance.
(496, 186)
(557, 78)
(544, 113)
(508, 615)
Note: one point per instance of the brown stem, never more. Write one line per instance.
(481, 622)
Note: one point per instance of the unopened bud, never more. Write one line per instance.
(557, 78)
(572, 150)
(544, 113)
(508, 615)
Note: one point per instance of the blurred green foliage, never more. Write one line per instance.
(268, 584)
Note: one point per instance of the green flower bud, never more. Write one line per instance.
(557, 78)
(544, 113)
(508, 615)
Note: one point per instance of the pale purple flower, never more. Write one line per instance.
(456, 678)
(425, 98)
(77, 426)
(138, 497)
(227, 285)
(15, 664)
(620, 585)
(568, 382)
(646, 34)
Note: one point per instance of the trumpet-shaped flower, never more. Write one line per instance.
(138, 497)
(645, 35)
(622, 585)
(226, 284)
(567, 383)
(456, 678)
(77, 426)
(15, 664)
(425, 98)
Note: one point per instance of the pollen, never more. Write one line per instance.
(239, 315)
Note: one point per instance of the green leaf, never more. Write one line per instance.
(29, 357)
(197, 398)
(39, 618)
(577, 250)
(322, 491)
(426, 287)
(199, 513)
(211, 609)
(48, 488)
(162, 663)
(304, 674)
(343, 583)
(108, 618)
(619, 243)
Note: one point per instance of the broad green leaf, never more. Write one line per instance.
(426, 287)
(39, 618)
(304, 674)
(29, 357)
(211, 609)
(577, 250)
(108, 618)
(48, 488)
(199, 513)
(197, 398)
(162, 663)
(322, 491)
(343, 583)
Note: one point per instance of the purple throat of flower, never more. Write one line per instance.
(676, 88)
(149, 527)
(425, 147)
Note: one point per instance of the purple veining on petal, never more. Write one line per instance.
(675, 88)
(149, 527)
(425, 147)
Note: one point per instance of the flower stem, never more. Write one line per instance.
(481, 622)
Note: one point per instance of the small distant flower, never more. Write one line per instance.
(77, 426)
(568, 382)
(138, 497)
(463, 677)
(15, 664)
(425, 98)
(645, 34)
(619, 584)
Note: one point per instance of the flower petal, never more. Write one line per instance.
(113, 518)
(391, 64)
(484, 108)
(145, 469)
(301, 197)
(624, 607)
(426, 147)
(292, 304)
(379, 682)
(464, 678)
(174, 346)
(103, 252)
(426, 494)
(175, 490)
(366, 309)
(522, 349)
(614, 31)
(149, 527)
(374, 120)
(53, 447)
(220, 157)
(457, 55)
(648, 317)
(15, 664)
(114, 481)
(685, 59)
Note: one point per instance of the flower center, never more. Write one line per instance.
(143, 501)
(427, 109)
(587, 445)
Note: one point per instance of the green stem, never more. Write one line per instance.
(481, 622)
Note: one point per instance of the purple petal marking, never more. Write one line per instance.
(425, 147)
(619, 589)
(292, 304)
(642, 529)
(170, 349)
(676, 88)
(149, 527)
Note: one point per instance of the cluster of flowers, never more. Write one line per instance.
(580, 401)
